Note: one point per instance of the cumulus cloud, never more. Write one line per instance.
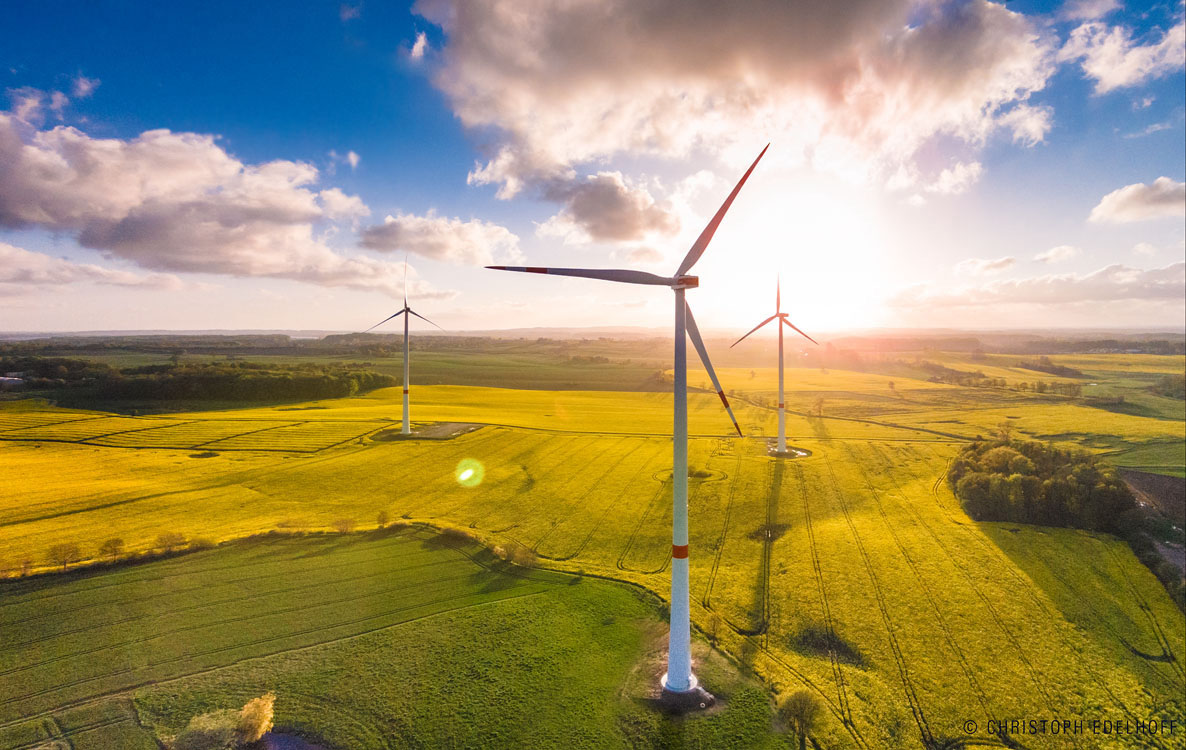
(1115, 60)
(1165, 198)
(855, 88)
(454, 241)
(1057, 254)
(605, 207)
(956, 179)
(84, 87)
(419, 47)
(1078, 10)
(1114, 283)
(22, 267)
(178, 202)
(982, 266)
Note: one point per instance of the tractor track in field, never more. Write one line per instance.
(90, 700)
(1028, 586)
(1034, 673)
(600, 519)
(835, 710)
(338, 709)
(1143, 605)
(818, 575)
(269, 639)
(576, 480)
(924, 729)
(661, 492)
(547, 453)
(762, 626)
(156, 635)
(706, 597)
(64, 736)
(961, 658)
(1145, 659)
(192, 608)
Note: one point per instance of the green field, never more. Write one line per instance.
(928, 619)
(325, 622)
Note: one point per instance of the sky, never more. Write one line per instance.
(228, 165)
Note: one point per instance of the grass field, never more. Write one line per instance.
(325, 623)
(852, 573)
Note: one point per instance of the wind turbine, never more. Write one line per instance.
(680, 687)
(782, 317)
(407, 430)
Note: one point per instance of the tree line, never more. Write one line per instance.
(218, 381)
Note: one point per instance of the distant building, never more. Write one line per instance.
(11, 384)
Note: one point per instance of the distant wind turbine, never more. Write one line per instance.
(680, 687)
(782, 317)
(407, 430)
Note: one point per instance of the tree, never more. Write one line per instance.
(112, 548)
(64, 554)
(819, 407)
(800, 713)
(170, 541)
(382, 519)
(344, 525)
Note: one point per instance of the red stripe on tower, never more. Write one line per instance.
(405, 390)
(679, 551)
(779, 404)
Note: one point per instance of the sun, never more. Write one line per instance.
(823, 238)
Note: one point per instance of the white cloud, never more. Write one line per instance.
(1115, 60)
(1057, 254)
(347, 12)
(1156, 127)
(1113, 283)
(84, 87)
(1077, 10)
(419, 47)
(982, 266)
(353, 159)
(1029, 124)
(178, 202)
(1145, 248)
(956, 179)
(853, 88)
(454, 241)
(22, 268)
(605, 207)
(1165, 198)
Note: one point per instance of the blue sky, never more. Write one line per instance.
(229, 165)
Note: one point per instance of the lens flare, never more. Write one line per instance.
(470, 472)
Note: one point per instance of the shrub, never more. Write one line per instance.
(112, 548)
(64, 554)
(799, 713)
(201, 543)
(382, 519)
(344, 525)
(255, 720)
(170, 541)
(227, 728)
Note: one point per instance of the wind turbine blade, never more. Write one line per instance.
(405, 279)
(804, 335)
(694, 334)
(606, 274)
(764, 322)
(381, 322)
(778, 294)
(426, 320)
(706, 236)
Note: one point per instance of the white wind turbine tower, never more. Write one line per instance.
(407, 430)
(680, 687)
(782, 318)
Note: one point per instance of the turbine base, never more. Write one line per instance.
(687, 701)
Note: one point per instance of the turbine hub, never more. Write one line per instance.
(686, 282)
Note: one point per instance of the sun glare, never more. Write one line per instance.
(822, 238)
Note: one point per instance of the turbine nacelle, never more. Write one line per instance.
(685, 282)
